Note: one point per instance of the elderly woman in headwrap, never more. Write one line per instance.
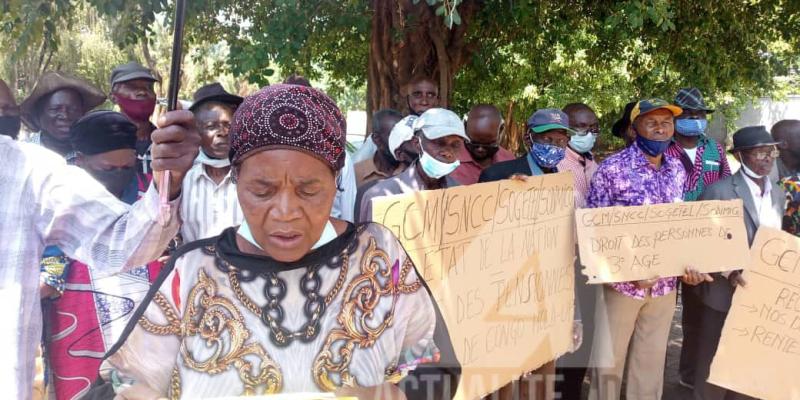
(292, 300)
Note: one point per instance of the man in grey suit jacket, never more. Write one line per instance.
(763, 206)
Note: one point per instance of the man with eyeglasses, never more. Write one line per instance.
(546, 139)
(704, 161)
(483, 125)
(422, 94)
(571, 368)
(764, 204)
(579, 158)
(210, 203)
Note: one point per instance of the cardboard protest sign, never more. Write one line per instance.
(759, 352)
(499, 260)
(622, 244)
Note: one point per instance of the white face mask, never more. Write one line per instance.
(204, 159)
(433, 167)
(749, 172)
(328, 234)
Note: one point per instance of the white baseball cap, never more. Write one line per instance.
(402, 132)
(439, 122)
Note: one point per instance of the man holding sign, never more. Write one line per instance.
(547, 138)
(763, 206)
(640, 311)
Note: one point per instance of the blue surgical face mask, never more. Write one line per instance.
(435, 168)
(691, 127)
(652, 147)
(328, 234)
(582, 143)
(547, 155)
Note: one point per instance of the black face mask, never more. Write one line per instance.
(115, 180)
(9, 126)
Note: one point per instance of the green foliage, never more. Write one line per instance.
(604, 53)
(447, 9)
(528, 54)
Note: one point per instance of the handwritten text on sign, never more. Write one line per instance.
(620, 244)
(498, 258)
(759, 352)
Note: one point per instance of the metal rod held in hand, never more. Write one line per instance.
(172, 96)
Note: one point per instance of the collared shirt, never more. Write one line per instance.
(791, 219)
(582, 169)
(763, 203)
(628, 179)
(707, 166)
(207, 208)
(536, 170)
(470, 170)
(406, 182)
(366, 172)
(45, 202)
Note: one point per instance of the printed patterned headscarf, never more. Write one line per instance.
(290, 117)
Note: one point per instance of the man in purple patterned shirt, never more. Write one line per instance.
(638, 314)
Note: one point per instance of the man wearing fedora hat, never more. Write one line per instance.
(763, 206)
(56, 102)
(132, 89)
(705, 163)
(210, 203)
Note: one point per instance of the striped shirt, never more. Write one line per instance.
(45, 202)
(582, 169)
(207, 208)
(705, 167)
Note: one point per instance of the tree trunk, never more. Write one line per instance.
(151, 63)
(409, 39)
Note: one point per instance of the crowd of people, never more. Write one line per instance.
(267, 273)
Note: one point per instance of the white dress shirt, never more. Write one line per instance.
(45, 202)
(763, 202)
(207, 208)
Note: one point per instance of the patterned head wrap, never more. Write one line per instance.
(289, 117)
